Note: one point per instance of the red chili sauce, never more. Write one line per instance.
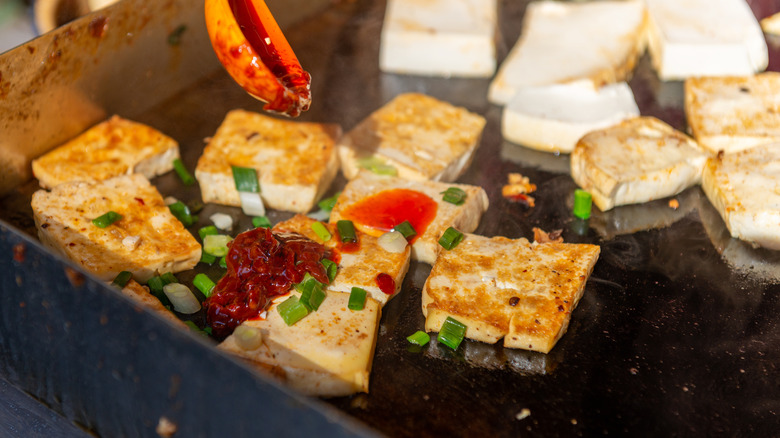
(261, 265)
(386, 209)
(386, 283)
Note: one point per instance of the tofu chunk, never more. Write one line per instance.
(114, 147)
(553, 118)
(141, 295)
(734, 113)
(638, 160)
(295, 161)
(745, 189)
(370, 192)
(689, 38)
(328, 353)
(512, 289)
(439, 38)
(421, 137)
(358, 267)
(570, 41)
(147, 240)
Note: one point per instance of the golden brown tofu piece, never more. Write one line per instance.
(141, 295)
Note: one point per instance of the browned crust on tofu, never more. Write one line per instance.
(141, 295)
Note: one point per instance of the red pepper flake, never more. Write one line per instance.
(75, 278)
(19, 251)
(140, 201)
(386, 283)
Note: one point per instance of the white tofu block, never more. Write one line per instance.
(565, 42)
(552, 118)
(704, 38)
(771, 24)
(439, 38)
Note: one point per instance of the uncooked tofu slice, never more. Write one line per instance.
(439, 38)
(553, 118)
(569, 41)
(745, 189)
(328, 353)
(734, 113)
(689, 38)
(362, 265)
(295, 161)
(114, 147)
(638, 160)
(377, 203)
(421, 137)
(508, 288)
(146, 241)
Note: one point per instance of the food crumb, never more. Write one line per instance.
(674, 204)
(523, 414)
(165, 428)
(633, 370)
(574, 421)
(518, 188)
(541, 236)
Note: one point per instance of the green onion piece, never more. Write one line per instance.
(582, 204)
(406, 229)
(194, 327)
(261, 221)
(106, 219)
(184, 174)
(216, 244)
(291, 310)
(174, 38)
(419, 338)
(346, 231)
(207, 258)
(182, 213)
(454, 195)
(246, 179)
(223, 262)
(451, 238)
(452, 333)
(377, 165)
(209, 230)
(357, 299)
(312, 295)
(327, 204)
(155, 284)
(306, 278)
(331, 268)
(122, 278)
(195, 205)
(321, 231)
(169, 278)
(204, 284)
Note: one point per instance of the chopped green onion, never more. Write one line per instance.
(406, 229)
(204, 284)
(331, 268)
(207, 258)
(451, 333)
(248, 337)
(312, 295)
(209, 230)
(174, 38)
(182, 298)
(155, 284)
(454, 195)
(327, 204)
(357, 299)
(321, 231)
(106, 219)
(223, 262)
(392, 241)
(216, 244)
(377, 165)
(169, 278)
(184, 174)
(246, 179)
(261, 221)
(306, 277)
(291, 310)
(419, 338)
(252, 204)
(346, 231)
(194, 327)
(582, 204)
(182, 213)
(451, 238)
(122, 278)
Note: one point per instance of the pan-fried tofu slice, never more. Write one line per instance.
(376, 203)
(328, 353)
(423, 138)
(513, 289)
(141, 295)
(147, 240)
(439, 37)
(295, 161)
(114, 147)
(552, 118)
(771, 24)
(745, 189)
(704, 38)
(638, 160)
(569, 41)
(365, 265)
(734, 113)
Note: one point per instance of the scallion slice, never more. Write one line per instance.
(454, 195)
(252, 204)
(122, 279)
(583, 202)
(312, 295)
(184, 174)
(194, 327)
(169, 278)
(419, 338)
(392, 241)
(321, 231)
(327, 204)
(451, 333)
(106, 219)
(223, 262)
(248, 337)
(207, 258)
(292, 310)
(357, 299)
(406, 229)
(246, 179)
(208, 230)
(204, 284)
(261, 222)
(182, 213)
(216, 244)
(451, 238)
(182, 298)
(377, 165)
(156, 288)
(306, 278)
(331, 268)
(346, 231)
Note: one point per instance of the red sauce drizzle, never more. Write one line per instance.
(261, 265)
(386, 209)
(386, 283)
